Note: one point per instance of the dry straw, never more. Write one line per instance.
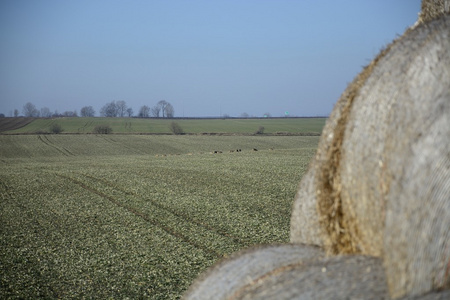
(382, 171)
(433, 9)
(248, 267)
(301, 272)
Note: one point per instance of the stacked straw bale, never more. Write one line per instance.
(376, 198)
(381, 177)
(246, 268)
(433, 9)
(291, 272)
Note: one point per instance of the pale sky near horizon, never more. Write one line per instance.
(206, 58)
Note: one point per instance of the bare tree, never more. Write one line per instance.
(121, 107)
(69, 113)
(16, 112)
(109, 110)
(45, 112)
(144, 111)
(166, 108)
(170, 112)
(163, 104)
(29, 110)
(129, 112)
(87, 111)
(156, 111)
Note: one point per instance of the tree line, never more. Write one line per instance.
(162, 109)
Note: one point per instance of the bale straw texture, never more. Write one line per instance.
(305, 227)
(246, 268)
(339, 277)
(433, 9)
(382, 170)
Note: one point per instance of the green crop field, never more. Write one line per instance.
(138, 216)
(191, 126)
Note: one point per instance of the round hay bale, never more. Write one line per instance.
(381, 175)
(375, 190)
(433, 9)
(227, 277)
(339, 277)
(399, 129)
(305, 227)
(442, 295)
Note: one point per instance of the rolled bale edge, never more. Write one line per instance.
(401, 207)
(305, 227)
(244, 268)
(338, 277)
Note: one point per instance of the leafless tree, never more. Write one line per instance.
(170, 112)
(45, 112)
(144, 111)
(129, 112)
(109, 110)
(87, 111)
(165, 107)
(29, 110)
(121, 107)
(69, 113)
(156, 111)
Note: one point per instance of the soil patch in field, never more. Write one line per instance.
(7, 124)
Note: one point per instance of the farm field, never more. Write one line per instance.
(9, 124)
(190, 126)
(138, 216)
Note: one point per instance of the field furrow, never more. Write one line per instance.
(162, 221)
(44, 139)
(184, 217)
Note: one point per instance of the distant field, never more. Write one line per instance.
(138, 216)
(8, 124)
(190, 126)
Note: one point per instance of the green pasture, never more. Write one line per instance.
(190, 126)
(138, 216)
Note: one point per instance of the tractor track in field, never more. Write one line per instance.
(144, 217)
(176, 213)
(86, 125)
(61, 150)
(112, 141)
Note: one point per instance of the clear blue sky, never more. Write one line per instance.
(207, 58)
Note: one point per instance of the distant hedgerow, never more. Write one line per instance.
(102, 129)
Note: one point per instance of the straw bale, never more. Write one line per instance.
(324, 188)
(246, 267)
(305, 227)
(433, 9)
(442, 295)
(339, 277)
(381, 175)
(400, 131)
